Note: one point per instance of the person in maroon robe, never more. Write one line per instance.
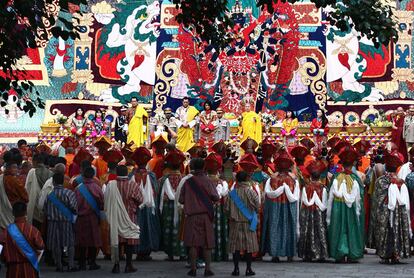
(397, 131)
(87, 231)
(17, 263)
(198, 195)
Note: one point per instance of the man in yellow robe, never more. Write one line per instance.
(186, 120)
(251, 125)
(137, 119)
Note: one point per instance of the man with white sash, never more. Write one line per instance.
(36, 178)
(23, 246)
(148, 213)
(393, 214)
(313, 243)
(122, 200)
(281, 211)
(345, 212)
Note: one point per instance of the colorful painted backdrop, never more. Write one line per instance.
(290, 59)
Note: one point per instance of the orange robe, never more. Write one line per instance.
(101, 166)
(69, 160)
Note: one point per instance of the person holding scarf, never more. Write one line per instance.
(313, 243)
(198, 195)
(281, 211)
(22, 245)
(148, 213)
(242, 207)
(345, 211)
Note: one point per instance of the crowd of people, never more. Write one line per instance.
(204, 204)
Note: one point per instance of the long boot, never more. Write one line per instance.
(128, 252)
(249, 271)
(236, 260)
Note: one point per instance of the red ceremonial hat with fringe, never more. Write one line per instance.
(268, 148)
(82, 155)
(195, 150)
(103, 143)
(299, 152)
(43, 148)
(141, 156)
(392, 160)
(220, 148)
(283, 161)
(69, 142)
(159, 142)
(249, 143)
(213, 162)
(307, 142)
(317, 166)
(249, 163)
(348, 154)
(113, 156)
(333, 141)
(175, 157)
(362, 146)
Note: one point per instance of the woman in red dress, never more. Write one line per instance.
(397, 131)
(320, 129)
(208, 119)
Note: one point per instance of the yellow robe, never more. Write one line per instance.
(185, 135)
(250, 128)
(289, 125)
(135, 127)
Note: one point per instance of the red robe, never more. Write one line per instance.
(18, 265)
(397, 135)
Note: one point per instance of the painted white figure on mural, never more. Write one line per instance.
(346, 64)
(58, 63)
(138, 38)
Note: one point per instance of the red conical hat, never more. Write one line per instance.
(141, 156)
(213, 162)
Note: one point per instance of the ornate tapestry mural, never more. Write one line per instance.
(289, 60)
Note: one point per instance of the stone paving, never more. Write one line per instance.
(159, 268)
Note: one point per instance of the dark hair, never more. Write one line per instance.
(21, 142)
(76, 112)
(85, 164)
(133, 98)
(242, 176)
(197, 164)
(186, 98)
(390, 168)
(19, 209)
(324, 119)
(293, 114)
(61, 160)
(51, 161)
(13, 157)
(121, 171)
(40, 158)
(88, 172)
(112, 165)
(58, 179)
(209, 103)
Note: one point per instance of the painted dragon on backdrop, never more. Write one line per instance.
(129, 42)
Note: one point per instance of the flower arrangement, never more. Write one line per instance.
(61, 119)
(268, 119)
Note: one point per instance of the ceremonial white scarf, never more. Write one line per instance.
(119, 221)
(147, 193)
(400, 197)
(222, 189)
(291, 196)
(341, 192)
(33, 190)
(177, 206)
(315, 200)
(167, 189)
(404, 171)
(6, 211)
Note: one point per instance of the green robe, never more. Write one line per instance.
(346, 228)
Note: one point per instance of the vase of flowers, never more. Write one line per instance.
(62, 121)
